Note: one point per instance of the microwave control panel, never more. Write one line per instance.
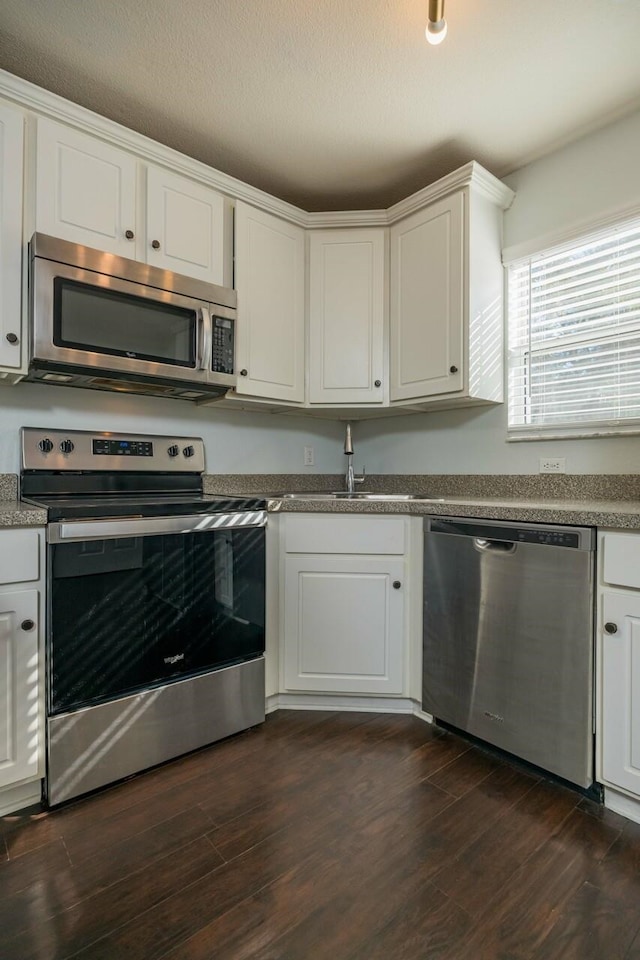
(223, 346)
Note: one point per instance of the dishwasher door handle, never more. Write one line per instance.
(494, 546)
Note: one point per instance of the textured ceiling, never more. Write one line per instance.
(336, 104)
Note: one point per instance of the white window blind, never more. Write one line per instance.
(574, 334)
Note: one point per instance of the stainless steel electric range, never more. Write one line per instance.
(155, 606)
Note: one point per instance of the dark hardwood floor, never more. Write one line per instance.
(324, 836)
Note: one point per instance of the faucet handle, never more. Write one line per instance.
(362, 477)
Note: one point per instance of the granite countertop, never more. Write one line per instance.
(607, 500)
(15, 513)
(623, 514)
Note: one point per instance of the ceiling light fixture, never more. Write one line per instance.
(437, 26)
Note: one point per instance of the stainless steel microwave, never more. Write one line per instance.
(108, 323)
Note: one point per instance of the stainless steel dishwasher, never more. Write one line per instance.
(508, 638)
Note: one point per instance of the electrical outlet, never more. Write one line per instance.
(308, 458)
(552, 465)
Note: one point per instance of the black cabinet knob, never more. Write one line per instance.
(129, 234)
(173, 450)
(611, 627)
(377, 383)
(27, 624)
(244, 373)
(12, 338)
(397, 584)
(46, 445)
(453, 369)
(155, 244)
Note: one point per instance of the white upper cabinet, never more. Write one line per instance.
(446, 301)
(185, 226)
(11, 155)
(270, 282)
(427, 298)
(86, 193)
(86, 190)
(347, 316)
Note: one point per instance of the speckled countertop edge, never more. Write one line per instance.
(15, 513)
(606, 513)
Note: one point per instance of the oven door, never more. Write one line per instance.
(95, 322)
(139, 603)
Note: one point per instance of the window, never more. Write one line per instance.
(574, 337)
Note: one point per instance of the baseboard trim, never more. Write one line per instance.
(24, 795)
(329, 701)
(620, 803)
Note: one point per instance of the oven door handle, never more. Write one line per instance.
(69, 531)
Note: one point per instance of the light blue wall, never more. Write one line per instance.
(235, 442)
(582, 183)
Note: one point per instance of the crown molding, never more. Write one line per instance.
(40, 101)
(347, 218)
(28, 96)
(470, 175)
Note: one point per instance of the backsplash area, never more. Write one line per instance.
(8, 486)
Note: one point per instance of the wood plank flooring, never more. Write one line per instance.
(324, 836)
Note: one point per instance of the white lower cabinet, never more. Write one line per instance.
(344, 624)
(19, 687)
(21, 671)
(619, 659)
(621, 690)
(345, 604)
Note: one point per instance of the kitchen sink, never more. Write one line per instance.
(359, 495)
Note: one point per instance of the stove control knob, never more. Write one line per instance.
(173, 450)
(46, 445)
(188, 451)
(67, 446)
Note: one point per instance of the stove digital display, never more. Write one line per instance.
(127, 448)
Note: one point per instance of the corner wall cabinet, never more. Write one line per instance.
(11, 159)
(87, 193)
(347, 316)
(619, 658)
(344, 604)
(21, 672)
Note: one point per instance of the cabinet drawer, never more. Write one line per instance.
(621, 559)
(345, 534)
(19, 555)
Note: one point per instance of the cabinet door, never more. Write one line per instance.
(11, 152)
(19, 687)
(185, 226)
(427, 301)
(344, 624)
(269, 275)
(347, 286)
(86, 190)
(621, 691)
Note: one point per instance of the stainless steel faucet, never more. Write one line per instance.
(351, 478)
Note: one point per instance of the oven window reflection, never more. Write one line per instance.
(131, 613)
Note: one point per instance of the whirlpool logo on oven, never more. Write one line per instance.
(175, 659)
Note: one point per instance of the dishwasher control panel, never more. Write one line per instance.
(549, 535)
(554, 538)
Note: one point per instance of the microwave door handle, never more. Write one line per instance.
(204, 339)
